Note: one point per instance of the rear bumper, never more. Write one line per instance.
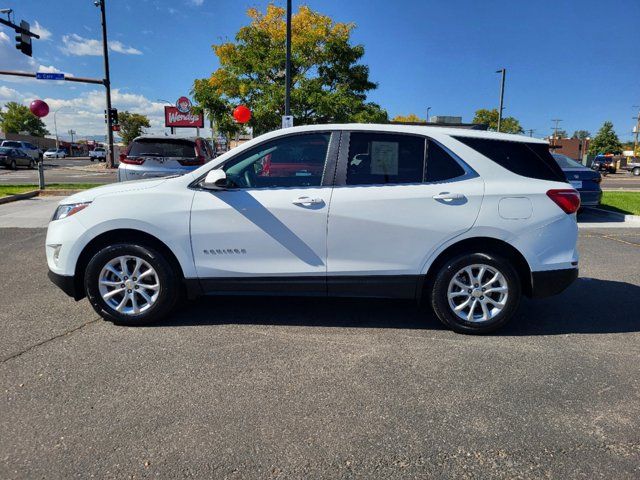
(552, 282)
(67, 284)
(590, 198)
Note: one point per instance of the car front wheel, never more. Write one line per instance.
(476, 293)
(636, 171)
(131, 284)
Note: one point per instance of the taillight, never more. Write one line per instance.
(131, 160)
(567, 199)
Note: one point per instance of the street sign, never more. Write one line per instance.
(287, 121)
(49, 76)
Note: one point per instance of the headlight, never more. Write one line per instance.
(64, 211)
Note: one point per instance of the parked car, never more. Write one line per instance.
(99, 154)
(14, 157)
(604, 163)
(583, 179)
(160, 156)
(55, 153)
(28, 148)
(464, 220)
(633, 166)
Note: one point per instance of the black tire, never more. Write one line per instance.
(169, 284)
(32, 165)
(13, 166)
(636, 171)
(439, 293)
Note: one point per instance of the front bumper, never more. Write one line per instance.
(552, 282)
(67, 284)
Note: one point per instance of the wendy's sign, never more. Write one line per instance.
(181, 115)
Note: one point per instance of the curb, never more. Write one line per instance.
(19, 196)
(37, 193)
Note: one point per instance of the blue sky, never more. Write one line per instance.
(574, 60)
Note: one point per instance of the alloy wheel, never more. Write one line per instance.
(477, 293)
(129, 285)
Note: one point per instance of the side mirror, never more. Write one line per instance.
(215, 180)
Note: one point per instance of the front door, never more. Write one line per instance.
(270, 226)
(397, 199)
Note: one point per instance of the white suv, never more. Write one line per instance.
(465, 220)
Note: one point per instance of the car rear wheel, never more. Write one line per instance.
(32, 164)
(131, 284)
(476, 293)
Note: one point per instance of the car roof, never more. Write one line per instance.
(165, 137)
(416, 129)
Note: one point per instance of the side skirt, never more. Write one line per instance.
(380, 286)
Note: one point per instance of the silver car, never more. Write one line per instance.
(159, 156)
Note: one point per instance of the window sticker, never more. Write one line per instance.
(384, 158)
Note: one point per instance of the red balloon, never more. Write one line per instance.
(39, 108)
(242, 114)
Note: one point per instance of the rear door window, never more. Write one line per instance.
(532, 160)
(163, 148)
(385, 158)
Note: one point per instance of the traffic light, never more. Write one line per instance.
(112, 115)
(23, 40)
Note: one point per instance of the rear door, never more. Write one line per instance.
(397, 199)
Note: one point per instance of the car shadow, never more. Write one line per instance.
(598, 215)
(587, 306)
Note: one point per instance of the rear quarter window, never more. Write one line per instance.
(532, 160)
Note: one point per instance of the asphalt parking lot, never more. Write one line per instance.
(62, 170)
(621, 180)
(295, 388)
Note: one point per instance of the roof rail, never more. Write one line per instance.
(468, 126)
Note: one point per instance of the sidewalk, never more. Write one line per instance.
(31, 213)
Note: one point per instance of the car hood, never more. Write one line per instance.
(121, 187)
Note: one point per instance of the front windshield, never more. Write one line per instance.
(566, 162)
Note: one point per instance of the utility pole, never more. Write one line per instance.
(107, 79)
(555, 130)
(503, 71)
(531, 130)
(637, 131)
(287, 88)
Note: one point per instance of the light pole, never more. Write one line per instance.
(107, 79)
(428, 108)
(503, 71)
(287, 88)
(55, 127)
(169, 103)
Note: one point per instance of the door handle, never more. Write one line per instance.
(448, 196)
(305, 201)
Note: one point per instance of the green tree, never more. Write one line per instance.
(329, 84)
(18, 118)
(581, 134)
(560, 133)
(490, 117)
(605, 141)
(412, 117)
(132, 125)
